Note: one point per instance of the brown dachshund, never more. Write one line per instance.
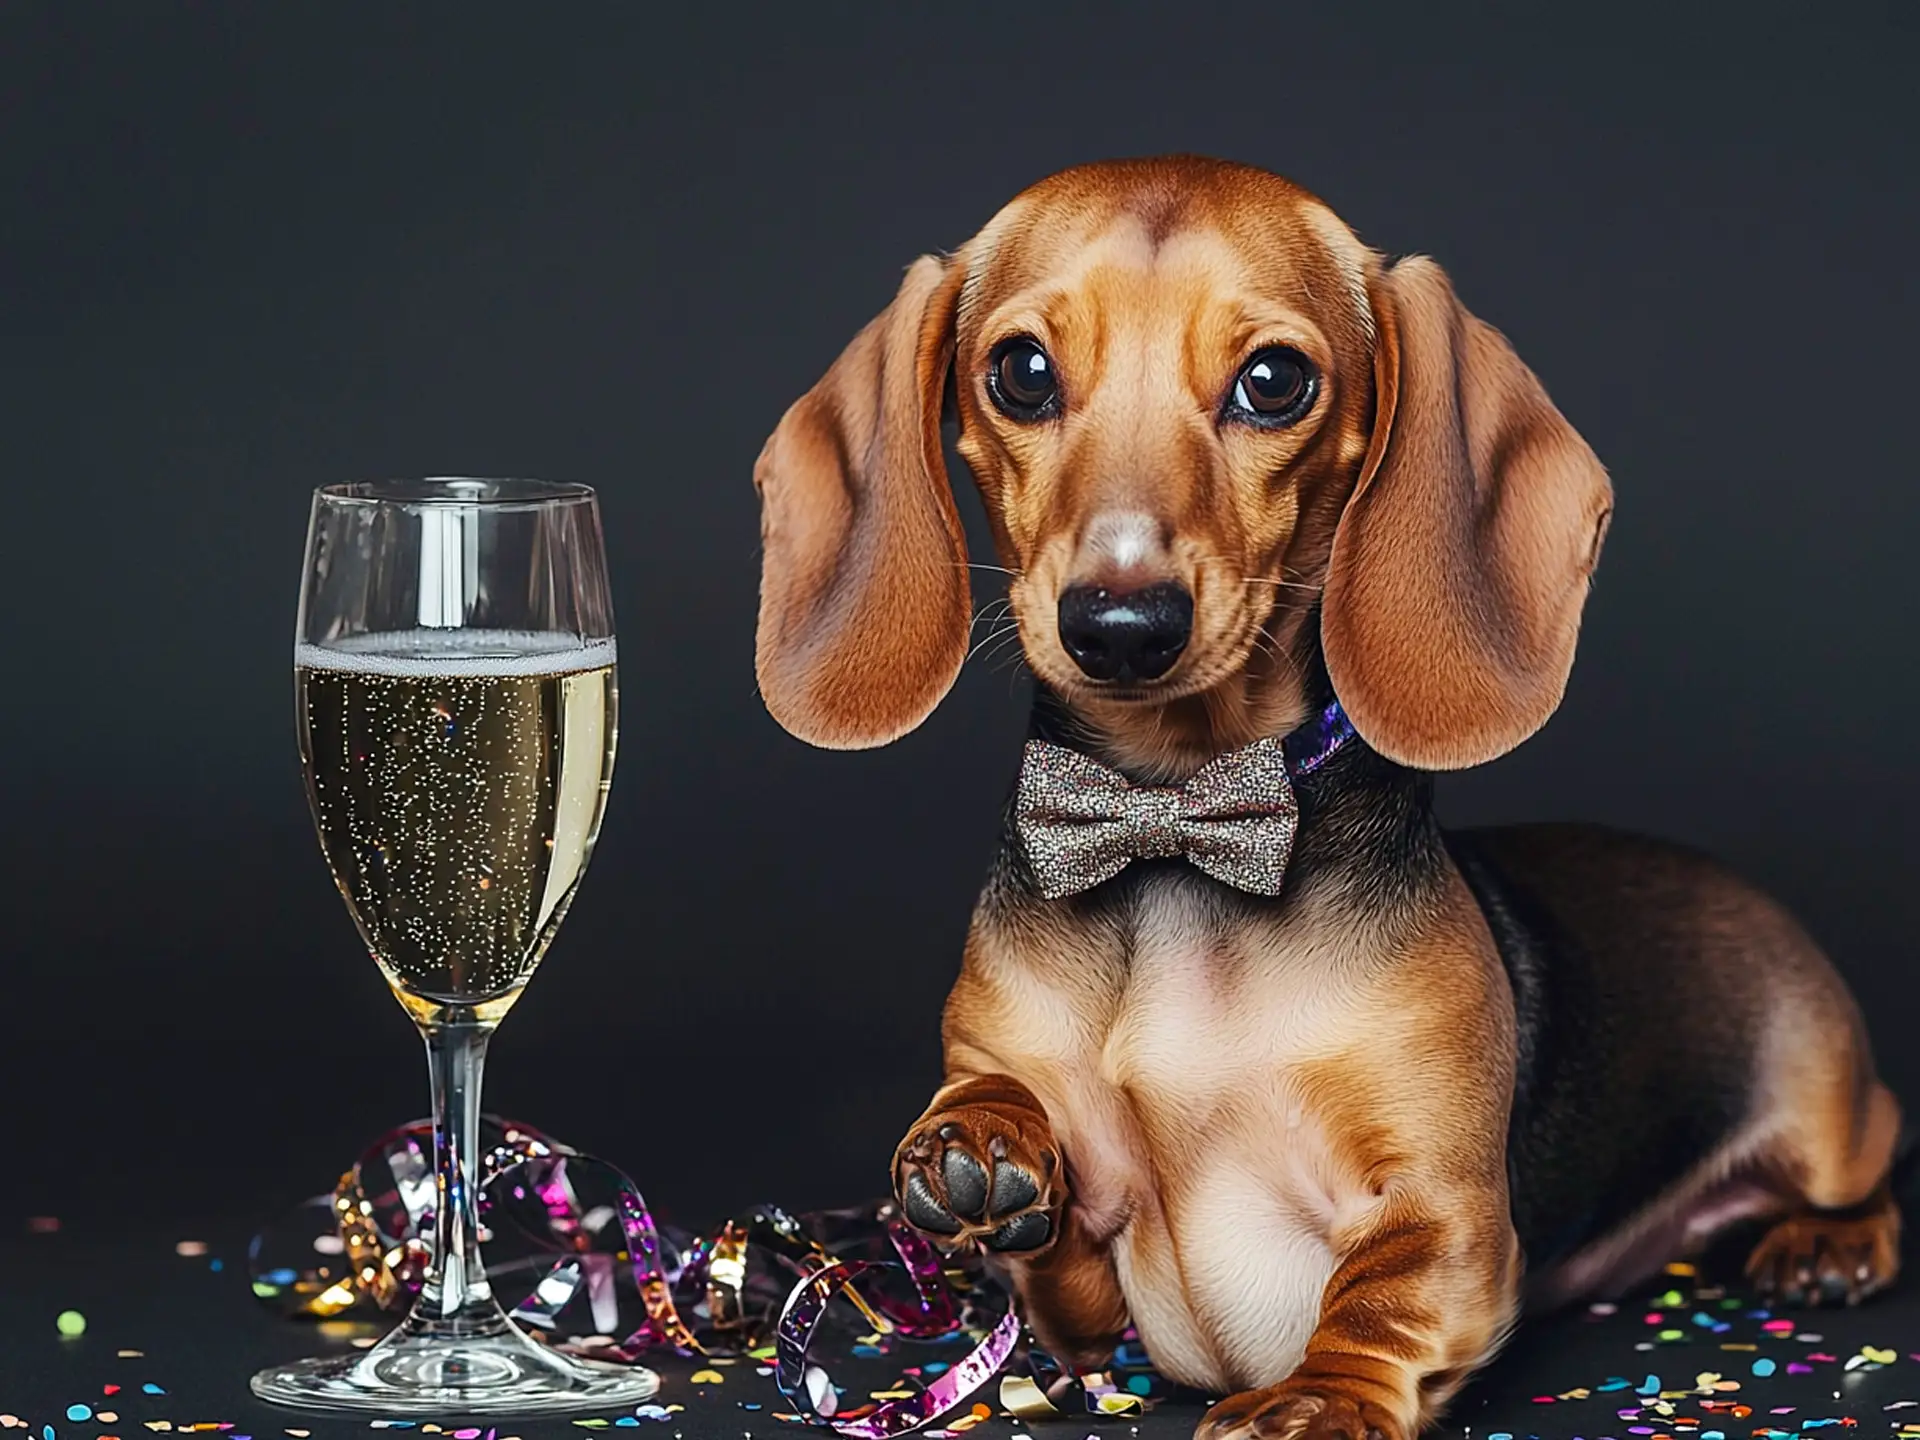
(1318, 1140)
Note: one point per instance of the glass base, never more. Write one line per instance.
(415, 1371)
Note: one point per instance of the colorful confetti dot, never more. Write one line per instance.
(70, 1323)
(79, 1412)
(1763, 1366)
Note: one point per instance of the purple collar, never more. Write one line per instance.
(1317, 741)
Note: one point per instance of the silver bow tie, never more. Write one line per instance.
(1083, 823)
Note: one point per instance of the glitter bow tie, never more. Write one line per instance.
(1083, 823)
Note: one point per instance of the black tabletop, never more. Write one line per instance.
(171, 1338)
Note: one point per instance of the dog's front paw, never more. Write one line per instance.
(984, 1173)
(1282, 1412)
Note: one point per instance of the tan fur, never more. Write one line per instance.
(1277, 1145)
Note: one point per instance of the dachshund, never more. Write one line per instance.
(1262, 491)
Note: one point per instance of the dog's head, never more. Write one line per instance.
(1202, 416)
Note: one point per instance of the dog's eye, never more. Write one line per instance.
(1021, 381)
(1276, 387)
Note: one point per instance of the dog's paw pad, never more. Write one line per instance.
(1013, 1189)
(966, 1181)
(923, 1209)
(1028, 1232)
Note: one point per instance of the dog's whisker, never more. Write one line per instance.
(1002, 648)
(1286, 584)
(988, 610)
(990, 638)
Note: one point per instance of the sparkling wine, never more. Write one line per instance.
(457, 779)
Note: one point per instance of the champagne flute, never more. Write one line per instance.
(454, 681)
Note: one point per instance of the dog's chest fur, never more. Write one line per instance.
(1175, 1065)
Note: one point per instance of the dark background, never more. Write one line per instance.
(247, 250)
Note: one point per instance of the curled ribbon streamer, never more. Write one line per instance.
(385, 1239)
(807, 1386)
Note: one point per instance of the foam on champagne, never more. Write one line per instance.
(458, 652)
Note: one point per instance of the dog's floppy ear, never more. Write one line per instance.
(1461, 563)
(865, 604)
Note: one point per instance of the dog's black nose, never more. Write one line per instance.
(1126, 634)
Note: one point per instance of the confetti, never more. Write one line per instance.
(706, 1377)
(1763, 1366)
(130, 1355)
(79, 1412)
(107, 1417)
(70, 1323)
(190, 1249)
(152, 1389)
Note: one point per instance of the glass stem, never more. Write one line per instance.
(455, 1296)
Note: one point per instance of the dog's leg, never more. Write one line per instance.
(1843, 1242)
(1421, 1298)
(982, 1164)
(1070, 1296)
